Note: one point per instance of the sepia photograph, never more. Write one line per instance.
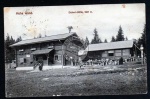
(75, 50)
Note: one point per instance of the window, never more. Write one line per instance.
(57, 57)
(33, 49)
(22, 60)
(50, 47)
(110, 54)
(111, 51)
(21, 50)
(20, 53)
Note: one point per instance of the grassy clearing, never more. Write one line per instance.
(60, 82)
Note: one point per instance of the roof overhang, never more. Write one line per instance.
(109, 49)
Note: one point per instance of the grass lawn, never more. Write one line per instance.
(62, 82)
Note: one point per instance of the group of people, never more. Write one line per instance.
(103, 62)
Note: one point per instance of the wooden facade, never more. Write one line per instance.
(53, 52)
(111, 54)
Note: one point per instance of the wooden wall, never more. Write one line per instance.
(111, 54)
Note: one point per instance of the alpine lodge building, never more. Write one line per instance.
(53, 50)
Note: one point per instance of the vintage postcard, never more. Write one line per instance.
(76, 50)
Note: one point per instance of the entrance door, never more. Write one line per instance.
(57, 59)
(51, 58)
(39, 58)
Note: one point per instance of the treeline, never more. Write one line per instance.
(96, 39)
(142, 41)
(119, 37)
(9, 52)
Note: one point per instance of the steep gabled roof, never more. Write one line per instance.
(110, 45)
(43, 39)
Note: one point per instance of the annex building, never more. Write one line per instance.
(111, 50)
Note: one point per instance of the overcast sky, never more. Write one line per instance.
(51, 20)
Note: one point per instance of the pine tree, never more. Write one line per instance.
(18, 39)
(9, 52)
(142, 41)
(143, 37)
(96, 38)
(40, 35)
(7, 43)
(105, 41)
(126, 39)
(120, 36)
(86, 43)
(113, 39)
(12, 41)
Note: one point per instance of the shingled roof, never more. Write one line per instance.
(110, 45)
(43, 39)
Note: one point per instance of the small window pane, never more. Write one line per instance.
(110, 54)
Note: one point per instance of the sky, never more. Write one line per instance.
(52, 20)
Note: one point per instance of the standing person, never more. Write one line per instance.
(102, 61)
(40, 65)
(80, 62)
(91, 62)
(98, 62)
(107, 60)
(121, 61)
(75, 62)
(72, 62)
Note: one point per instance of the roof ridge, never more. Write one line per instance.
(110, 42)
(52, 37)
(47, 36)
(110, 45)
